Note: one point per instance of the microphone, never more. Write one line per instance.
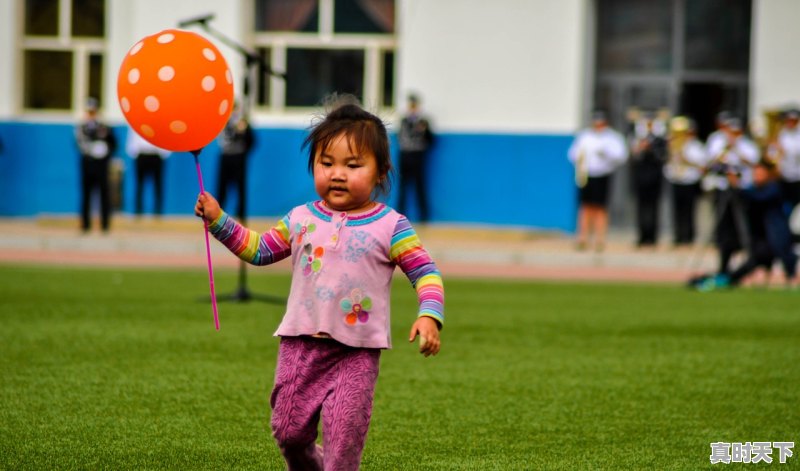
(197, 20)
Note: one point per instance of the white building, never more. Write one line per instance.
(506, 83)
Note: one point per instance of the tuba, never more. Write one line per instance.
(581, 170)
(768, 138)
(679, 129)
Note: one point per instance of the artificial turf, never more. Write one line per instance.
(122, 369)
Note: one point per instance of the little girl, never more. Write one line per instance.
(344, 248)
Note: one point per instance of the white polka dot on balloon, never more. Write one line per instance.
(166, 73)
(208, 83)
(147, 131)
(223, 107)
(125, 104)
(178, 127)
(151, 104)
(166, 38)
(228, 76)
(133, 76)
(209, 54)
(137, 48)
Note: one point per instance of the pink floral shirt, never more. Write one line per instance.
(342, 269)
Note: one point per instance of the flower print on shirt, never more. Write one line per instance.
(304, 229)
(359, 244)
(312, 259)
(356, 307)
(323, 293)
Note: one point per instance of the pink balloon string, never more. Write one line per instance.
(196, 153)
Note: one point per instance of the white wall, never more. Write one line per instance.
(133, 20)
(8, 54)
(511, 66)
(775, 67)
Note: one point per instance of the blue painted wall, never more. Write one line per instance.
(516, 180)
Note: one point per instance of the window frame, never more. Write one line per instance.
(81, 47)
(278, 43)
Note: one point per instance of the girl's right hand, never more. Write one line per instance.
(207, 207)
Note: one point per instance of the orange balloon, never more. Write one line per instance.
(176, 90)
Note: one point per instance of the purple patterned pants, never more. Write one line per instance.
(322, 376)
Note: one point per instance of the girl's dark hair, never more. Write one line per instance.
(365, 131)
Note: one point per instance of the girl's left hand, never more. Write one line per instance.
(428, 331)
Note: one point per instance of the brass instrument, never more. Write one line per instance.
(679, 134)
(768, 140)
(680, 131)
(581, 172)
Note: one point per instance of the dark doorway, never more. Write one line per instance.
(701, 102)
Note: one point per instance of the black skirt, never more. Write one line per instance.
(595, 192)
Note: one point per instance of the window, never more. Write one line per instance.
(48, 79)
(88, 18)
(63, 53)
(718, 35)
(319, 72)
(692, 56)
(636, 36)
(325, 46)
(388, 78)
(262, 87)
(363, 16)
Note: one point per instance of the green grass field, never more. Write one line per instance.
(122, 369)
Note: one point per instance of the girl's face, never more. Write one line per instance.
(344, 177)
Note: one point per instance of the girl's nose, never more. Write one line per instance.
(337, 172)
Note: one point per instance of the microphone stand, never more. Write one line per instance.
(242, 294)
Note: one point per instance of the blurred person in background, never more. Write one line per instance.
(149, 164)
(730, 170)
(769, 235)
(684, 169)
(415, 140)
(236, 141)
(648, 156)
(789, 162)
(718, 137)
(96, 144)
(596, 153)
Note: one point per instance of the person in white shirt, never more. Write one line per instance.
(789, 163)
(719, 136)
(648, 154)
(596, 152)
(96, 145)
(685, 165)
(729, 170)
(149, 164)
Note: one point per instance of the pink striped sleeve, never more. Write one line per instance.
(249, 245)
(409, 254)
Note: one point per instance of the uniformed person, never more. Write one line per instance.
(236, 141)
(685, 165)
(729, 170)
(596, 152)
(789, 162)
(648, 156)
(149, 165)
(96, 144)
(415, 139)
